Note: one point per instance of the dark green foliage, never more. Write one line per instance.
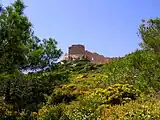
(63, 94)
(77, 66)
(150, 33)
(27, 92)
(15, 32)
(43, 54)
(1, 8)
(20, 49)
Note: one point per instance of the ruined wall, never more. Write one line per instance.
(76, 49)
(76, 52)
(96, 58)
(79, 52)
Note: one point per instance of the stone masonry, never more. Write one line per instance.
(78, 52)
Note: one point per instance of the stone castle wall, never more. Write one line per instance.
(96, 58)
(79, 52)
(76, 50)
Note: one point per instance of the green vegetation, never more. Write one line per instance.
(124, 89)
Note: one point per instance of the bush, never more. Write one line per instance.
(6, 110)
(140, 68)
(81, 110)
(60, 95)
(52, 113)
(116, 94)
(89, 106)
(149, 110)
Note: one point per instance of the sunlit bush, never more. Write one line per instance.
(52, 113)
(149, 110)
(6, 110)
(115, 94)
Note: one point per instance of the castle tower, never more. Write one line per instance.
(76, 52)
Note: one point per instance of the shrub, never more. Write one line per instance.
(6, 110)
(149, 110)
(89, 106)
(140, 68)
(63, 94)
(52, 113)
(116, 94)
(81, 110)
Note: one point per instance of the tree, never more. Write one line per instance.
(150, 33)
(15, 32)
(1, 8)
(20, 48)
(43, 54)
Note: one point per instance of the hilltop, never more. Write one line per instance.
(78, 52)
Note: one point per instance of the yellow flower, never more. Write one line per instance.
(34, 114)
(22, 113)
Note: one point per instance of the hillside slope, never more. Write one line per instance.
(122, 89)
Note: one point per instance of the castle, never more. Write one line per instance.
(78, 52)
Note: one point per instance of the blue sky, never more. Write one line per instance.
(108, 27)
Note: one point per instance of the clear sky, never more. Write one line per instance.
(108, 27)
